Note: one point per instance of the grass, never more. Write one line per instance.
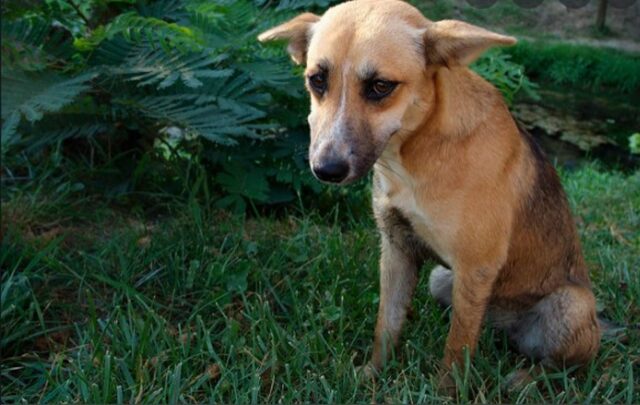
(579, 66)
(103, 302)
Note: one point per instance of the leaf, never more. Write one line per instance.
(634, 143)
(163, 9)
(33, 95)
(9, 134)
(238, 179)
(30, 43)
(218, 119)
(234, 202)
(136, 28)
(163, 68)
(300, 4)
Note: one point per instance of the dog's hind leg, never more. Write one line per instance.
(560, 328)
(441, 285)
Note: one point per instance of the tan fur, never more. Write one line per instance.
(454, 180)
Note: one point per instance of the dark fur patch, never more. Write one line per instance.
(361, 145)
(401, 235)
(548, 205)
(544, 248)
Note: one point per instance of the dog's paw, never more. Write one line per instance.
(366, 372)
(446, 384)
(520, 378)
(517, 380)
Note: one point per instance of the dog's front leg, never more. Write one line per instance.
(471, 292)
(398, 277)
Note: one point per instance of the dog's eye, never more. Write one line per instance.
(378, 89)
(318, 82)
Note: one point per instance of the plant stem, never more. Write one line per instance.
(80, 13)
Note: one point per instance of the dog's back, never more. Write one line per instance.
(544, 251)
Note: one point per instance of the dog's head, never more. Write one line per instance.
(367, 70)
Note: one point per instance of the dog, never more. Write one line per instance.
(455, 179)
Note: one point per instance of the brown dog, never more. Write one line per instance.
(455, 180)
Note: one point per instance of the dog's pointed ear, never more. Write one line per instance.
(297, 31)
(453, 42)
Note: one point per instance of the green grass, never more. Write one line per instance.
(578, 66)
(102, 302)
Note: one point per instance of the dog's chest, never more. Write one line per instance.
(395, 189)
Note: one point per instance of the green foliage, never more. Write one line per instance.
(581, 66)
(30, 96)
(498, 68)
(140, 69)
(115, 73)
(298, 4)
(634, 143)
(25, 43)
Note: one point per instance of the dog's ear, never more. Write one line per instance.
(453, 42)
(296, 31)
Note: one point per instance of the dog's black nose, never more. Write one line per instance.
(332, 171)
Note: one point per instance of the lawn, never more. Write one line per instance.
(111, 300)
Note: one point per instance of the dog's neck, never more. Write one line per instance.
(460, 107)
(462, 101)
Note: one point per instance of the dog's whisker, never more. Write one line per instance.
(389, 168)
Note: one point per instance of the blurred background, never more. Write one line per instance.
(164, 241)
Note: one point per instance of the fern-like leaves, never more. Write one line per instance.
(30, 96)
(148, 66)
